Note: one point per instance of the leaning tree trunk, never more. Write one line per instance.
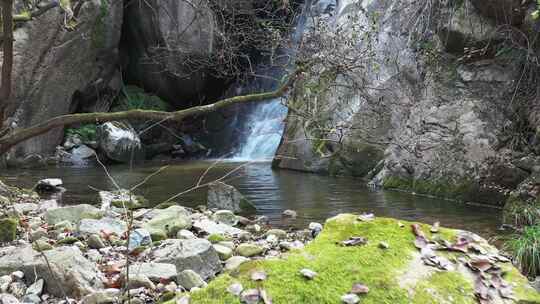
(7, 64)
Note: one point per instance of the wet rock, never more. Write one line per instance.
(235, 289)
(211, 227)
(190, 279)
(95, 242)
(168, 221)
(8, 229)
(72, 214)
(154, 271)
(139, 281)
(234, 262)
(289, 213)
(223, 196)
(279, 233)
(81, 153)
(315, 228)
(249, 250)
(120, 142)
(223, 252)
(107, 296)
(107, 224)
(197, 255)
(49, 185)
(139, 237)
(185, 235)
(226, 217)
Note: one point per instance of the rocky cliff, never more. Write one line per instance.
(444, 106)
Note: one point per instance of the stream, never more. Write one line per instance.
(314, 197)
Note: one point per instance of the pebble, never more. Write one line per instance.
(289, 213)
(350, 299)
(235, 289)
(315, 228)
(308, 273)
(17, 275)
(384, 245)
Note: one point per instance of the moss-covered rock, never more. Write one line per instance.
(8, 229)
(391, 274)
(168, 222)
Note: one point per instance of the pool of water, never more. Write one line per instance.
(314, 197)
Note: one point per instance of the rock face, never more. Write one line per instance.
(434, 125)
(223, 196)
(54, 66)
(152, 31)
(120, 142)
(194, 254)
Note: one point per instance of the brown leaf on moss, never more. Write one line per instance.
(258, 275)
(435, 227)
(359, 288)
(354, 241)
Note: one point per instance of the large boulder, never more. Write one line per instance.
(223, 196)
(120, 142)
(57, 70)
(72, 214)
(106, 224)
(14, 258)
(155, 32)
(195, 254)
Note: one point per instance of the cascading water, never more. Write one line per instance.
(263, 128)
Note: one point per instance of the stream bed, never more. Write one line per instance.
(314, 197)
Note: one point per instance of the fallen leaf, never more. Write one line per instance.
(250, 296)
(258, 275)
(112, 282)
(359, 288)
(354, 241)
(420, 242)
(480, 289)
(235, 289)
(435, 227)
(417, 230)
(480, 264)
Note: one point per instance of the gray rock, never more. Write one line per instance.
(279, 233)
(95, 242)
(107, 296)
(197, 255)
(139, 281)
(38, 234)
(25, 208)
(14, 258)
(223, 252)
(235, 289)
(153, 271)
(234, 262)
(350, 299)
(226, 217)
(223, 196)
(94, 255)
(139, 237)
(228, 244)
(211, 227)
(308, 273)
(31, 299)
(5, 280)
(250, 296)
(315, 228)
(185, 235)
(49, 185)
(190, 279)
(36, 288)
(47, 204)
(106, 224)
(72, 214)
(168, 221)
(249, 250)
(289, 213)
(8, 299)
(120, 142)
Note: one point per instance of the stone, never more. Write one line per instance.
(223, 252)
(107, 224)
(139, 281)
(25, 208)
(168, 221)
(308, 273)
(5, 280)
(279, 233)
(195, 254)
(226, 217)
(120, 199)
(94, 255)
(36, 288)
(64, 225)
(38, 234)
(228, 244)
(72, 214)
(95, 242)
(41, 245)
(45, 205)
(223, 196)
(18, 289)
(235, 289)
(289, 213)
(536, 284)
(234, 262)
(315, 228)
(82, 153)
(296, 245)
(49, 185)
(120, 142)
(350, 298)
(211, 227)
(15, 258)
(31, 299)
(106, 296)
(139, 237)
(17, 275)
(153, 271)
(190, 279)
(8, 229)
(8, 299)
(249, 250)
(185, 235)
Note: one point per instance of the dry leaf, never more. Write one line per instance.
(359, 288)
(258, 275)
(435, 227)
(354, 241)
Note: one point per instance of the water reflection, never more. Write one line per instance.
(314, 197)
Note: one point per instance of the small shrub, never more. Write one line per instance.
(520, 213)
(525, 249)
(134, 97)
(86, 132)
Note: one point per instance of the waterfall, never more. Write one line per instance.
(263, 128)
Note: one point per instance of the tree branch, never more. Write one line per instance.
(21, 135)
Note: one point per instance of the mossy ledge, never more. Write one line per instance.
(382, 270)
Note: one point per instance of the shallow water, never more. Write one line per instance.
(314, 197)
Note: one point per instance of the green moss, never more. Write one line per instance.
(522, 289)
(444, 287)
(68, 240)
(134, 97)
(216, 238)
(8, 229)
(444, 189)
(86, 132)
(337, 267)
